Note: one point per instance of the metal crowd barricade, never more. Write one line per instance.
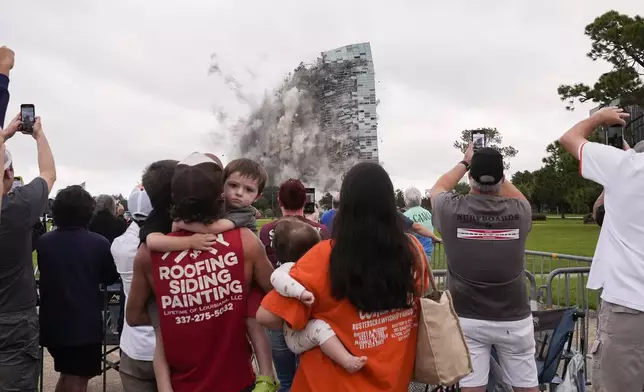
(554, 281)
(111, 336)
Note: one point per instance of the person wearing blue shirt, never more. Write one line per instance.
(420, 216)
(6, 64)
(327, 217)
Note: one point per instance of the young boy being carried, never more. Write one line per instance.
(293, 238)
(244, 182)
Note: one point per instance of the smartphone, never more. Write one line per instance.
(615, 136)
(478, 140)
(17, 182)
(309, 207)
(28, 118)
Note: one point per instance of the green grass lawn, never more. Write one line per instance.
(563, 236)
(556, 236)
(566, 236)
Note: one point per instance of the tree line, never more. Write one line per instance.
(616, 39)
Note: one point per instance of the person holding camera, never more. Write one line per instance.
(21, 209)
(598, 208)
(618, 263)
(484, 235)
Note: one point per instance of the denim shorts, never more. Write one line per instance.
(19, 351)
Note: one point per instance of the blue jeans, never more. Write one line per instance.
(283, 358)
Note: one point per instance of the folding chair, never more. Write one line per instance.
(554, 330)
(111, 337)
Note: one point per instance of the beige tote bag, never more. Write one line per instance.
(442, 357)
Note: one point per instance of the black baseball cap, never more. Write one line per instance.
(487, 166)
(199, 178)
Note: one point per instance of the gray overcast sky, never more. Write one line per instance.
(120, 84)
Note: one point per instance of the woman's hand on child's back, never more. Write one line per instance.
(307, 298)
(202, 241)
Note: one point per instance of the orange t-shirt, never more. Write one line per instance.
(387, 339)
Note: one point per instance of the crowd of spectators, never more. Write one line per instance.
(322, 306)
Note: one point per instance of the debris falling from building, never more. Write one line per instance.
(317, 124)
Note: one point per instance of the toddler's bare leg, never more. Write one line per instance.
(334, 349)
(319, 333)
(261, 345)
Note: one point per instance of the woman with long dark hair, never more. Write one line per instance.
(364, 285)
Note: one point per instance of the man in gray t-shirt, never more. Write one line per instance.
(22, 207)
(484, 235)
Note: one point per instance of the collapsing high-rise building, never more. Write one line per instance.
(318, 123)
(351, 98)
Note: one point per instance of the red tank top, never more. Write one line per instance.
(202, 309)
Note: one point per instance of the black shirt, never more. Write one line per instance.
(158, 221)
(73, 263)
(107, 225)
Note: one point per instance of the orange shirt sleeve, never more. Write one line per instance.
(310, 271)
(422, 264)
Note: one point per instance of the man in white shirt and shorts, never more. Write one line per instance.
(618, 264)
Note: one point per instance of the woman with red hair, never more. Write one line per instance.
(291, 199)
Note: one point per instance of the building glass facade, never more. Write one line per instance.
(351, 99)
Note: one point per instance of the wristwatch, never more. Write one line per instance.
(467, 165)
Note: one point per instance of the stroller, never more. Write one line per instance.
(553, 330)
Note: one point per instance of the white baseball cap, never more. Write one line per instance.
(639, 147)
(7, 159)
(139, 204)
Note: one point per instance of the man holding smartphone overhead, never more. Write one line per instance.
(484, 235)
(21, 209)
(618, 263)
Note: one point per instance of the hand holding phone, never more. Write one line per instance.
(28, 118)
(615, 136)
(309, 207)
(478, 140)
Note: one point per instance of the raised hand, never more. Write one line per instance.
(611, 115)
(7, 60)
(11, 129)
(469, 153)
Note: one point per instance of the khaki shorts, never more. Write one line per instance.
(137, 376)
(618, 352)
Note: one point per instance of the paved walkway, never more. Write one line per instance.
(114, 381)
